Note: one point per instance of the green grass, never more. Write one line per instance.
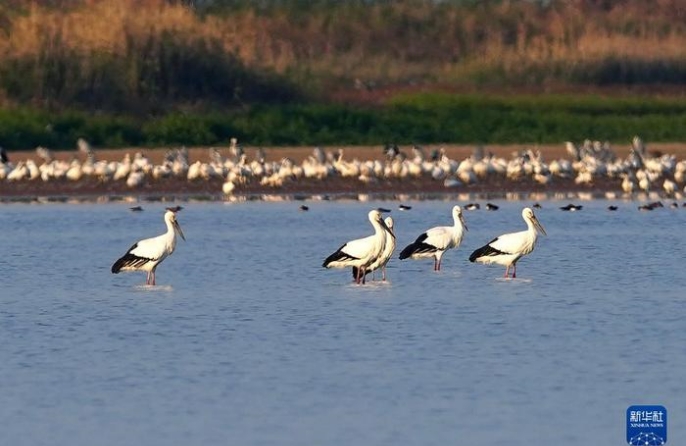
(419, 118)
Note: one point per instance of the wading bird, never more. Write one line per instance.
(147, 254)
(386, 254)
(362, 252)
(508, 248)
(436, 241)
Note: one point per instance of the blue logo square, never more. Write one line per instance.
(646, 425)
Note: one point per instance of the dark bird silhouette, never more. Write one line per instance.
(3, 156)
(572, 207)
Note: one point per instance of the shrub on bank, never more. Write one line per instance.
(421, 119)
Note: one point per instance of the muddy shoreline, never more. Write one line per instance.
(180, 189)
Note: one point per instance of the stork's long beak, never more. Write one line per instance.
(463, 223)
(384, 225)
(538, 225)
(177, 228)
(390, 230)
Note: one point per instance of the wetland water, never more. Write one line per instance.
(248, 340)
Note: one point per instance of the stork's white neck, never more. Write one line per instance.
(170, 226)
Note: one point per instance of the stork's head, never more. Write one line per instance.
(528, 215)
(458, 216)
(170, 216)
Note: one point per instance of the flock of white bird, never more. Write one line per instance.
(364, 255)
(640, 171)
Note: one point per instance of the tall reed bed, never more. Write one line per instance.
(152, 56)
(130, 56)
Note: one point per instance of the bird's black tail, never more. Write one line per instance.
(118, 265)
(415, 248)
(407, 251)
(336, 256)
(484, 251)
(129, 260)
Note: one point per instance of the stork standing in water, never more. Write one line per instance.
(385, 256)
(508, 248)
(362, 252)
(147, 254)
(436, 241)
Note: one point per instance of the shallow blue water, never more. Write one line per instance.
(248, 340)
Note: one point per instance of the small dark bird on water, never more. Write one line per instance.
(472, 206)
(136, 209)
(572, 207)
(491, 207)
(651, 206)
(404, 207)
(175, 208)
(612, 208)
(383, 210)
(537, 206)
(304, 208)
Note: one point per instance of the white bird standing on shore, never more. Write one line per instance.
(361, 253)
(436, 241)
(508, 248)
(147, 254)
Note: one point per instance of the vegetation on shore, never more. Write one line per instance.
(416, 118)
(150, 72)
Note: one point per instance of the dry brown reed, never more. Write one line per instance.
(124, 44)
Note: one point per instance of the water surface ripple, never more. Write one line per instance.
(249, 341)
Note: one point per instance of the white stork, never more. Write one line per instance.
(382, 260)
(147, 254)
(361, 253)
(508, 248)
(436, 241)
